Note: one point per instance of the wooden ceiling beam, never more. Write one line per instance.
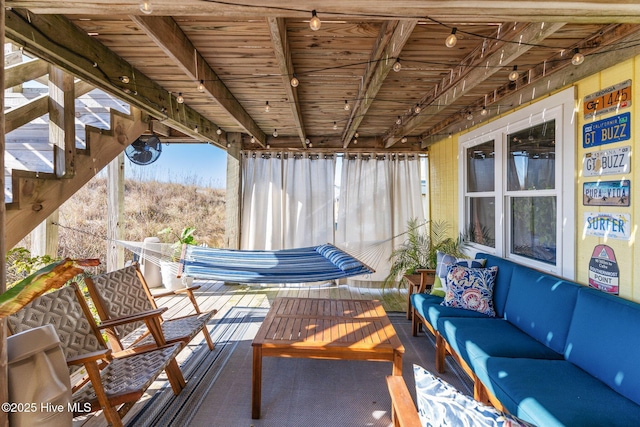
(278, 30)
(169, 37)
(58, 41)
(476, 69)
(17, 74)
(390, 42)
(452, 11)
(543, 79)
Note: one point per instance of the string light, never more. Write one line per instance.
(253, 140)
(275, 133)
(404, 139)
(180, 98)
(355, 141)
(484, 111)
(228, 145)
(399, 121)
(266, 107)
(268, 146)
(397, 66)
(417, 109)
(124, 79)
(201, 86)
(514, 74)
(219, 131)
(356, 135)
(294, 81)
(346, 105)
(145, 7)
(335, 126)
(578, 58)
(452, 39)
(314, 23)
(469, 116)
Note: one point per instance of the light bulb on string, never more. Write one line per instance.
(469, 116)
(266, 107)
(578, 58)
(219, 131)
(294, 81)
(253, 140)
(124, 79)
(397, 66)
(314, 22)
(180, 98)
(201, 86)
(452, 39)
(399, 121)
(417, 109)
(356, 135)
(347, 107)
(484, 111)
(275, 133)
(145, 7)
(335, 126)
(404, 139)
(514, 74)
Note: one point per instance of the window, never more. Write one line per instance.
(518, 185)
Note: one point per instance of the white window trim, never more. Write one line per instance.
(562, 108)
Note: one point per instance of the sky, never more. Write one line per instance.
(198, 164)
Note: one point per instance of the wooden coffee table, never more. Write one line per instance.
(324, 329)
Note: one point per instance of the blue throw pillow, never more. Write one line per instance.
(444, 261)
(471, 288)
(440, 404)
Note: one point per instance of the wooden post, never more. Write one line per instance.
(115, 213)
(44, 238)
(4, 387)
(234, 191)
(62, 126)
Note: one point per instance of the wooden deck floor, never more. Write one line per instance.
(215, 295)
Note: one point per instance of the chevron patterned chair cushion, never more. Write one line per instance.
(121, 293)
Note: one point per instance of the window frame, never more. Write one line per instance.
(561, 107)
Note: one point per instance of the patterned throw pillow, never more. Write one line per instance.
(444, 261)
(471, 288)
(440, 404)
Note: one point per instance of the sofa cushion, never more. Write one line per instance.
(482, 338)
(444, 261)
(541, 305)
(557, 393)
(471, 288)
(503, 279)
(430, 309)
(604, 339)
(440, 404)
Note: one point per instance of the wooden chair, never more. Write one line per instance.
(114, 381)
(122, 293)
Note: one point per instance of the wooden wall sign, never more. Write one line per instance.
(610, 225)
(607, 131)
(607, 100)
(607, 162)
(603, 270)
(606, 193)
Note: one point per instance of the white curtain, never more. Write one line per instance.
(378, 195)
(287, 200)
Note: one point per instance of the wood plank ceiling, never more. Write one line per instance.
(246, 52)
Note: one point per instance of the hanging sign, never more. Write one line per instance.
(607, 131)
(607, 162)
(607, 100)
(603, 270)
(612, 225)
(606, 193)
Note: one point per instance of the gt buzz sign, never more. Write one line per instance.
(607, 162)
(607, 131)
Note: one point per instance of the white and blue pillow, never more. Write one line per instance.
(440, 404)
(444, 261)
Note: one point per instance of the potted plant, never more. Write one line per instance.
(419, 251)
(169, 269)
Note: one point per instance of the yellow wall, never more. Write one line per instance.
(444, 174)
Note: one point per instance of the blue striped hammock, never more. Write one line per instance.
(310, 264)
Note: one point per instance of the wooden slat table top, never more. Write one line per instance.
(312, 323)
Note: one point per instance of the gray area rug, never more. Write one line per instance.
(295, 392)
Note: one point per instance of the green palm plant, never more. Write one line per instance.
(419, 250)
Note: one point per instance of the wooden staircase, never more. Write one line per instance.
(67, 164)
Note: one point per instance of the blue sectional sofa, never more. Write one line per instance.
(556, 354)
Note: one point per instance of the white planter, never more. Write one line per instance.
(169, 280)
